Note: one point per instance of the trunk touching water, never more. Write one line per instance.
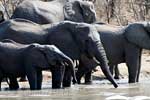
(101, 57)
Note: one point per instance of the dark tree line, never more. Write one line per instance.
(120, 12)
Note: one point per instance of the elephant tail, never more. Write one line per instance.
(138, 34)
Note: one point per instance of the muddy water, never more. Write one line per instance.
(97, 91)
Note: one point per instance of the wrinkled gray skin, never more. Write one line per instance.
(123, 45)
(17, 60)
(55, 11)
(78, 39)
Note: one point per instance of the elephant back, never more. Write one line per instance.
(137, 34)
(42, 12)
(39, 11)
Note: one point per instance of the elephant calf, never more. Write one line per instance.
(18, 60)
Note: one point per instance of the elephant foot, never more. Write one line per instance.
(66, 84)
(132, 81)
(56, 85)
(88, 78)
(53, 87)
(78, 81)
(35, 88)
(13, 84)
(88, 82)
(15, 87)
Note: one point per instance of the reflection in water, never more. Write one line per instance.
(97, 91)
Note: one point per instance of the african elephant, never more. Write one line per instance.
(78, 39)
(123, 44)
(17, 60)
(55, 11)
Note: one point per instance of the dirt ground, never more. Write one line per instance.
(145, 68)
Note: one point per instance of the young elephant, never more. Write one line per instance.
(18, 60)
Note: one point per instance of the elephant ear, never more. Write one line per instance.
(49, 56)
(72, 11)
(80, 11)
(139, 34)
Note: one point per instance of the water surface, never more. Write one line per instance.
(99, 90)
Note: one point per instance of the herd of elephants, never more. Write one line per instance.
(56, 34)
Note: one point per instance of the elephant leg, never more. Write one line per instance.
(13, 84)
(39, 79)
(132, 61)
(1, 78)
(139, 67)
(116, 72)
(111, 68)
(86, 65)
(31, 73)
(88, 77)
(0, 82)
(67, 78)
(80, 72)
(57, 76)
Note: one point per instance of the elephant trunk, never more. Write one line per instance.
(72, 68)
(101, 57)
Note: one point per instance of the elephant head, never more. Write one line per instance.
(60, 62)
(80, 11)
(139, 34)
(90, 44)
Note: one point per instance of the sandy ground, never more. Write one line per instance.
(145, 68)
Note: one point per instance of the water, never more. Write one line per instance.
(99, 90)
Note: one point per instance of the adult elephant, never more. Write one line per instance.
(55, 11)
(123, 45)
(74, 39)
(18, 60)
